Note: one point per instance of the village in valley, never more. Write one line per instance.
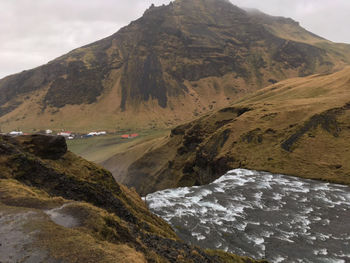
(72, 135)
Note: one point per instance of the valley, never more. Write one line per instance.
(99, 149)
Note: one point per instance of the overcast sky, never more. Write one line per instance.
(33, 32)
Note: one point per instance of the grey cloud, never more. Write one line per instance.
(33, 32)
(327, 18)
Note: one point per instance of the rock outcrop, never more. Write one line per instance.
(57, 207)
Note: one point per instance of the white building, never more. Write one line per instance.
(65, 133)
(16, 133)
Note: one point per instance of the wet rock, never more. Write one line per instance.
(206, 166)
(16, 243)
(62, 217)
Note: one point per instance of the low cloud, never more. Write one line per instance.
(327, 18)
(34, 32)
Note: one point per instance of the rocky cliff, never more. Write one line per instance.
(57, 207)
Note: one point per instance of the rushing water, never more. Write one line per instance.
(277, 217)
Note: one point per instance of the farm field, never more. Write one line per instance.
(100, 148)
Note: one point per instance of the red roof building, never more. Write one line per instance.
(128, 136)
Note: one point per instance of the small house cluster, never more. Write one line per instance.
(67, 134)
(70, 136)
(16, 133)
(96, 133)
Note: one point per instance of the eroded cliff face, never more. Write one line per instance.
(57, 207)
(298, 127)
(174, 63)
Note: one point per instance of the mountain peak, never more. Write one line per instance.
(177, 61)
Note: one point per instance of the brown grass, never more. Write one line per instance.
(277, 112)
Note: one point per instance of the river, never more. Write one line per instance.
(261, 215)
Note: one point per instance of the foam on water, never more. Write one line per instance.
(278, 217)
(278, 259)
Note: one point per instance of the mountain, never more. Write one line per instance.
(300, 126)
(176, 62)
(57, 207)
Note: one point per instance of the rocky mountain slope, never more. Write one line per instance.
(299, 126)
(57, 207)
(176, 62)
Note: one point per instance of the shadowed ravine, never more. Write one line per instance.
(277, 217)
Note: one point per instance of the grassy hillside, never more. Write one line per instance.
(300, 127)
(58, 207)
